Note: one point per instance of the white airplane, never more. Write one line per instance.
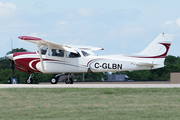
(53, 58)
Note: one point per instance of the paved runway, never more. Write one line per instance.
(90, 86)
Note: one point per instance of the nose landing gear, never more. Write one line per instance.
(29, 79)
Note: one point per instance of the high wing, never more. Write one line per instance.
(69, 48)
(83, 47)
(46, 43)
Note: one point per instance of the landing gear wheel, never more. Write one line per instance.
(29, 81)
(70, 81)
(54, 80)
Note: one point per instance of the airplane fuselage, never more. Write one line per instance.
(29, 62)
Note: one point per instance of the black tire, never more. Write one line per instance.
(70, 81)
(29, 81)
(54, 80)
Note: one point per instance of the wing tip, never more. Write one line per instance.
(28, 38)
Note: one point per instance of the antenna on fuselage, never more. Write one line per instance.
(74, 41)
(68, 41)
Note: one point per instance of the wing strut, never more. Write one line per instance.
(40, 55)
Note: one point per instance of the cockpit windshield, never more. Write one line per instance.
(43, 50)
(85, 53)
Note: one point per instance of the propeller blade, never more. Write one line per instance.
(13, 66)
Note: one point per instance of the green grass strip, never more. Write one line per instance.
(90, 103)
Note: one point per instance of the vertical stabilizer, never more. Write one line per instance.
(155, 53)
(159, 47)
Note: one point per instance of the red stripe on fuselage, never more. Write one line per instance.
(22, 70)
(24, 63)
(23, 53)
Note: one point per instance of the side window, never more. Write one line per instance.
(73, 55)
(56, 52)
(60, 53)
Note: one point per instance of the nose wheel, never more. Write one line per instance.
(54, 80)
(29, 79)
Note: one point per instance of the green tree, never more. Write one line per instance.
(172, 64)
(17, 50)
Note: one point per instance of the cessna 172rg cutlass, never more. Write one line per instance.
(52, 58)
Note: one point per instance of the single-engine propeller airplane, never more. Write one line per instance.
(53, 58)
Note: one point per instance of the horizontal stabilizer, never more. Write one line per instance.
(145, 64)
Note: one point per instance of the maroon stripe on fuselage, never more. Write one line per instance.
(23, 53)
(23, 63)
(22, 70)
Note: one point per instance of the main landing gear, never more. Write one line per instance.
(29, 79)
(67, 78)
(55, 79)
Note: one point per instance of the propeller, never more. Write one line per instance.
(10, 57)
(13, 66)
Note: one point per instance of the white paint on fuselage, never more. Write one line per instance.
(54, 64)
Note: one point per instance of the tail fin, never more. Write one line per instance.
(159, 47)
(156, 52)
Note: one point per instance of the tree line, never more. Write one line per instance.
(172, 64)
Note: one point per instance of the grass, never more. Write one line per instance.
(90, 104)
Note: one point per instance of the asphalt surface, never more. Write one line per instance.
(90, 86)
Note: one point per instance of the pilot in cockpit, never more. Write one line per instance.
(60, 53)
(54, 52)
